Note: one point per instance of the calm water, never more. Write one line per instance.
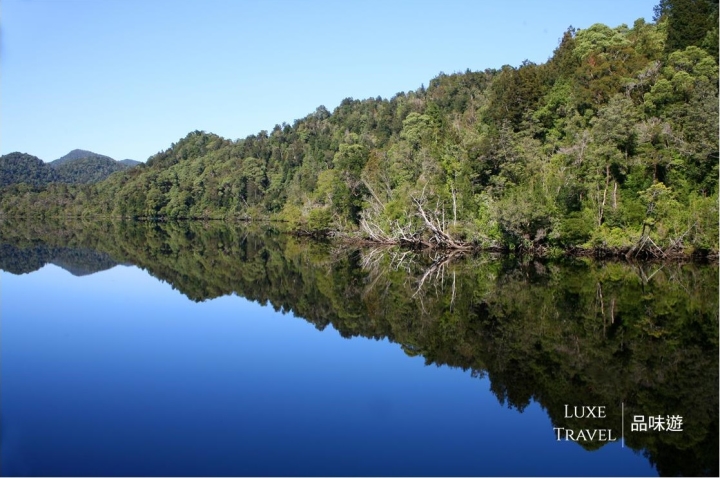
(201, 349)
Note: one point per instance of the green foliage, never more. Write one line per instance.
(515, 93)
(87, 170)
(24, 168)
(599, 39)
(690, 23)
(319, 219)
(576, 228)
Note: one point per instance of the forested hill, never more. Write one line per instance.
(24, 168)
(611, 145)
(76, 167)
(77, 154)
(88, 169)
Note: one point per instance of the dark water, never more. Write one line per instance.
(203, 349)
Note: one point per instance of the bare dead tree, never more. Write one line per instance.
(434, 222)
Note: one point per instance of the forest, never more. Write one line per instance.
(610, 147)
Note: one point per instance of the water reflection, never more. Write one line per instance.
(554, 333)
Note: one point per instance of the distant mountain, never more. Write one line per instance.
(78, 154)
(24, 168)
(77, 167)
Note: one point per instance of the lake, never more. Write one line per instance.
(207, 349)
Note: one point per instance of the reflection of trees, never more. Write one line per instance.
(574, 333)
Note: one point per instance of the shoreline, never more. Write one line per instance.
(539, 251)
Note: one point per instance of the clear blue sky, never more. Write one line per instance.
(126, 78)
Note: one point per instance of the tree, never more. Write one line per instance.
(690, 23)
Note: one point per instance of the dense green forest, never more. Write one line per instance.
(610, 146)
(546, 331)
(25, 169)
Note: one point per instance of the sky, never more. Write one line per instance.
(127, 78)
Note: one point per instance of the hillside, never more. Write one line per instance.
(24, 168)
(76, 167)
(90, 169)
(609, 146)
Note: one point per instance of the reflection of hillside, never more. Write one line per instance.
(17, 260)
(78, 262)
(576, 333)
(82, 262)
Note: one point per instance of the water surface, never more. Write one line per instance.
(203, 349)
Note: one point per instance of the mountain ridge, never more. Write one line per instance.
(79, 166)
(76, 154)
